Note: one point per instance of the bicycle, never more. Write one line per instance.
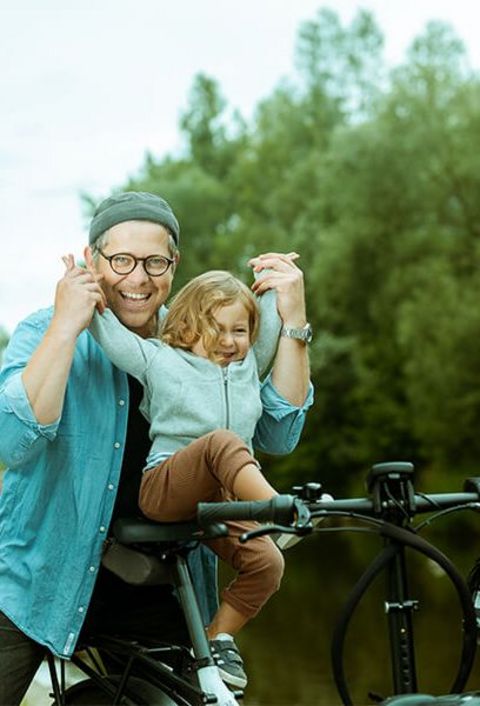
(171, 675)
(389, 511)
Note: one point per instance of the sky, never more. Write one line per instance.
(87, 88)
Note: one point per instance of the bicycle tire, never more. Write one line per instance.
(88, 693)
(406, 538)
(85, 693)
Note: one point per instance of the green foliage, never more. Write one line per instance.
(342, 63)
(3, 341)
(373, 176)
(442, 368)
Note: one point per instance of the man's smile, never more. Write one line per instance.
(135, 295)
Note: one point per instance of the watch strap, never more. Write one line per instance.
(303, 333)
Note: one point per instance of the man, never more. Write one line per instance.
(75, 442)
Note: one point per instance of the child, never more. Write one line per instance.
(203, 400)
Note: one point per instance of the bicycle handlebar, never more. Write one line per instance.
(280, 509)
(423, 503)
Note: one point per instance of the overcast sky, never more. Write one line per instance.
(87, 87)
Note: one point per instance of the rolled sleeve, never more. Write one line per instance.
(20, 433)
(279, 429)
(21, 436)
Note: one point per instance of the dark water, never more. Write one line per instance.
(287, 647)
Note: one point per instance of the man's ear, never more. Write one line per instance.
(89, 259)
(177, 260)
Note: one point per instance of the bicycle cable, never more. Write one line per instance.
(471, 506)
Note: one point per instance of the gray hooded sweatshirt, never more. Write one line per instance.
(185, 395)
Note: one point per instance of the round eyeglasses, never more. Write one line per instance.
(123, 263)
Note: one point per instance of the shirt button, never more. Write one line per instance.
(121, 402)
(81, 609)
(91, 569)
(117, 445)
(103, 529)
(110, 486)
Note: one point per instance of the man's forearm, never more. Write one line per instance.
(46, 374)
(291, 370)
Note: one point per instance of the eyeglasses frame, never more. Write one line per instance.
(136, 260)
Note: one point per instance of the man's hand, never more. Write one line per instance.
(287, 279)
(77, 294)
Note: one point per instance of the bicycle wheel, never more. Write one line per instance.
(87, 693)
(141, 693)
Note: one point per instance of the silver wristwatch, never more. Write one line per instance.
(302, 334)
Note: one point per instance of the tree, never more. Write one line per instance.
(3, 341)
(209, 145)
(344, 64)
(374, 178)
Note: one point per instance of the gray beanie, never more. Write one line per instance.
(133, 206)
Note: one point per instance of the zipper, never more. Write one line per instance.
(225, 390)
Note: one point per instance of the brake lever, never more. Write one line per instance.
(266, 529)
(302, 526)
(303, 517)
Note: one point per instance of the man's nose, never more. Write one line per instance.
(139, 274)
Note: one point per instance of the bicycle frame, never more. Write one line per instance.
(175, 674)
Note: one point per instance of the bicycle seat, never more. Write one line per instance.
(137, 530)
(133, 555)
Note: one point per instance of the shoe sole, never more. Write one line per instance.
(231, 680)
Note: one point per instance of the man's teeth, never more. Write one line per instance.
(134, 295)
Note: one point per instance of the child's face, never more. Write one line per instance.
(234, 339)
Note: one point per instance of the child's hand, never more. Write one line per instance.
(69, 262)
(259, 263)
(84, 284)
(92, 269)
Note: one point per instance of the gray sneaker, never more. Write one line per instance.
(228, 660)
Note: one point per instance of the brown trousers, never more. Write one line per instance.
(205, 471)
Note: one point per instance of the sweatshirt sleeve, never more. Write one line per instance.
(265, 346)
(125, 349)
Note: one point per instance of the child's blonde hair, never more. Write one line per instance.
(191, 311)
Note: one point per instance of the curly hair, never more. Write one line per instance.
(191, 311)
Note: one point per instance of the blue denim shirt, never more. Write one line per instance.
(60, 487)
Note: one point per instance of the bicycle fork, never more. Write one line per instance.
(399, 608)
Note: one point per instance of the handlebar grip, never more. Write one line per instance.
(280, 510)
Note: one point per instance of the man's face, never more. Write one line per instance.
(135, 298)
